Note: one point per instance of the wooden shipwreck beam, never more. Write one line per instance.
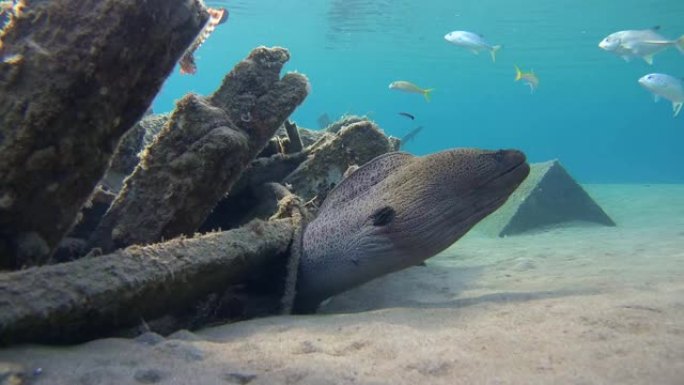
(74, 76)
(202, 152)
(91, 297)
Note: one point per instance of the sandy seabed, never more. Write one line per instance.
(570, 305)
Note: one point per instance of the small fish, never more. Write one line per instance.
(405, 86)
(666, 86)
(187, 62)
(528, 77)
(639, 43)
(406, 114)
(410, 136)
(324, 120)
(472, 41)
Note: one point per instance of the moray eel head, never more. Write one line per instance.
(398, 210)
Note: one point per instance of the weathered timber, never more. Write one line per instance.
(75, 75)
(252, 196)
(92, 297)
(344, 121)
(294, 144)
(127, 154)
(272, 169)
(354, 144)
(202, 152)
(256, 202)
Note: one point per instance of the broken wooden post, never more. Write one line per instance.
(294, 143)
(74, 76)
(253, 188)
(202, 152)
(91, 297)
(353, 144)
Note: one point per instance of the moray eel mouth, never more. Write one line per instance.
(517, 173)
(520, 168)
(512, 176)
(517, 170)
(501, 185)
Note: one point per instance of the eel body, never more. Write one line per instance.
(398, 210)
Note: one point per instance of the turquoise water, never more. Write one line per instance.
(589, 111)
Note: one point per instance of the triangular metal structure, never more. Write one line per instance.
(549, 196)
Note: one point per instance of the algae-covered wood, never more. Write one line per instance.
(201, 153)
(74, 76)
(91, 297)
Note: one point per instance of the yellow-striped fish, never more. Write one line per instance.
(528, 77)
(405, 86)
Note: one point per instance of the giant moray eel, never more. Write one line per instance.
(398, 210)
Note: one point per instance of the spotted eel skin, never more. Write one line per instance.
(396, 211)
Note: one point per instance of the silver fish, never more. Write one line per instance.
(666, 86)
(472, 41)
(639, 43)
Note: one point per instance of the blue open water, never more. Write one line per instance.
(589, 111)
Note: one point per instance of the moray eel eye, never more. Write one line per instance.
(383, 216)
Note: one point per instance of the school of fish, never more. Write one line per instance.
(628, 44)
(646, 44)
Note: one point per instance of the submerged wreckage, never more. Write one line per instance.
(110, 219)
